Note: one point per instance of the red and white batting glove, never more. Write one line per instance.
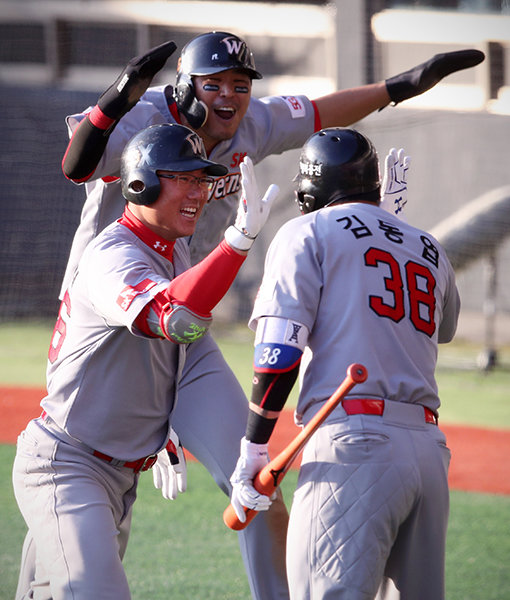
(394, 183)
(252, 459)
(169, 471)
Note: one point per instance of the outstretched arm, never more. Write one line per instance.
(346, 107)
(190, 297)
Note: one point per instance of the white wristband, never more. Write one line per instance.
(237, 239)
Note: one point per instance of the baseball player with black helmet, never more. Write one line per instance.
(351, 283)
(213, 96)
(131, 310)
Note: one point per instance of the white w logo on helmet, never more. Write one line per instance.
(196, 144)
(234, 46)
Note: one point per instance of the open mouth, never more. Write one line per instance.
(189, 212)
(225, 112)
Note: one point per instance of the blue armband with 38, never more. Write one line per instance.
(271, 357)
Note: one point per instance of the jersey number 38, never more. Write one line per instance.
(420, 285)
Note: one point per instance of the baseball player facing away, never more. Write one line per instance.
(213, 96)
(351, 283)
(119, 345)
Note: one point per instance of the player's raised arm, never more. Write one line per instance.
(192, 295)
(90, 138)
(346, 107)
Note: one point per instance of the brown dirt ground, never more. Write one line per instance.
(479, 456)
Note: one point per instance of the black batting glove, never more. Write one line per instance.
(421, 78)
(134, 80)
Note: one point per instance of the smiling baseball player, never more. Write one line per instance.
(212, 94)
(115, 359)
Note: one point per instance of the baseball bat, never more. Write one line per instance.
(269, 478)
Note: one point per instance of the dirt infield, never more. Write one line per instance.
(479, 456)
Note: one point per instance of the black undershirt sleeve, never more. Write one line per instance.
(84, 151)
(269, 395)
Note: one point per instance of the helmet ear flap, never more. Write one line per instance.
(306, 202)
(141, 188)
(188, 104)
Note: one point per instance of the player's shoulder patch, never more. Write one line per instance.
(296, 107)
(129, 293)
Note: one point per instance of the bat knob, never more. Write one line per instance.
(358, 373)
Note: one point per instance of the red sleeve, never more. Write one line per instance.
(317, 123)
(204, 285)
(199, 288)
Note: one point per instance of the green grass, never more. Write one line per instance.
(23, 352)
(468, 395)
(177, 549)
(182, 550)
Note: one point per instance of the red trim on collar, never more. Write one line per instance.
(148, 237)
(174, 111)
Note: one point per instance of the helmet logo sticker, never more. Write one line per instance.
(234, 46)
(310, 169)
(195, 143)
(145, 151)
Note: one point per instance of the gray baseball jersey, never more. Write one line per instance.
(102, 374)
(211, 414)
(270, 126)
(370, 289)
(111, 392)
(362, 280)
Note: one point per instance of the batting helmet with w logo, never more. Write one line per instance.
(165, 147)
(206, 54)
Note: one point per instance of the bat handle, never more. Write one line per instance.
(232, 521)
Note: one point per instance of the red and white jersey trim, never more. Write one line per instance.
(148, 237)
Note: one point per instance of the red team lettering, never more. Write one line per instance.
(59, 331)
(237, 158)
(420, 300)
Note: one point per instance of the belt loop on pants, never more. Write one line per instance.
(142, 464)
(375, 406)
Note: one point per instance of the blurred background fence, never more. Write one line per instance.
(57, 56)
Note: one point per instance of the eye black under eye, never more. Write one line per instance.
(241, 89)
(210, 87)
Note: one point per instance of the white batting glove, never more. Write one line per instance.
(252, 459)
(253, 209)
(394, 184)
(169, 471)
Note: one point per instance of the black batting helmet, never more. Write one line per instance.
(206, 54)
(336, 164)
(165, 147)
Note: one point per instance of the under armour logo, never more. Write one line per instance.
(399, 205)
(196, 143)
(159, 246)
(145, 157)
(234, 46)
